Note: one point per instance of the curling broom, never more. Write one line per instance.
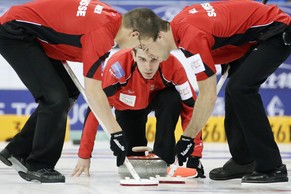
(170, 178)
(137, 181)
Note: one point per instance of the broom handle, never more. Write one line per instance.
(222, 80)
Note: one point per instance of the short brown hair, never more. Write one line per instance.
(146, 22)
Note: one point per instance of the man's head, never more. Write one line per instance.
(147, 63)
(141, 27)
(146, 22)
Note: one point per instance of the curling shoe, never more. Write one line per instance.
(194, 162)
(278, 174)
(231, 170)
(10, 160)
(43, 176)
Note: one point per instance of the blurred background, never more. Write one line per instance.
(16, 103)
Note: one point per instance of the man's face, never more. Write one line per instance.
(127, 38)
(159, 48)
(147, 63)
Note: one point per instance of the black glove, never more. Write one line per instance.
(118, 145)
(194, 162)
(184, 149)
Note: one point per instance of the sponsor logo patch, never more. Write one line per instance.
(127, 99)
(184, 90)
(196, 63)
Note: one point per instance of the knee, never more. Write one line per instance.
(72, 101)
(237, 89)
(56, 100)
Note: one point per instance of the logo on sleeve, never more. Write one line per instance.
(116, 70)
(98, 9)
(196, 63)
(192, 11)
(184, 90)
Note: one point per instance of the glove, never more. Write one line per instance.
(118, 145)
(194, 162)
(184, 149)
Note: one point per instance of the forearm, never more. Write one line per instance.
(201, 113)
(88, 136)
(204, 106)
(100, 106)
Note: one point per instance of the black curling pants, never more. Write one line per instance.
(167, 106)
(248, 130)
(41, 140)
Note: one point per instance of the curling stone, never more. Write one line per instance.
(145, 166)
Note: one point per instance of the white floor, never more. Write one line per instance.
(105, 180)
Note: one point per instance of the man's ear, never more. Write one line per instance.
(133, 54)
(161, 35)
(134, 33)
